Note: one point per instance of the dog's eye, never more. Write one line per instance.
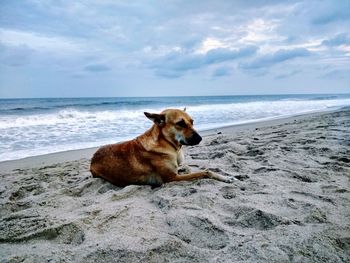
(182, 124)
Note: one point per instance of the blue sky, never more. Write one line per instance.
(63, 48)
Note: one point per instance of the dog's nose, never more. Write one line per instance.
(194, 139)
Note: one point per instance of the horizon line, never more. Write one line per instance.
(170, 96)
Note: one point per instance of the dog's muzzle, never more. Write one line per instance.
(194, 139)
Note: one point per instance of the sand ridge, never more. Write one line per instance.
(290, 203)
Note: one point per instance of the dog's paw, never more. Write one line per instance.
(219, 177)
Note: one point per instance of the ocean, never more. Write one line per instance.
(30, 127)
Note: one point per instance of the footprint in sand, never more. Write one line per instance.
(199, 232)
(26, 190)
(24, 226)
(316, 216)
(228, 192)
(248, 217)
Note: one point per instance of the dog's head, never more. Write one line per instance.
(176, 126)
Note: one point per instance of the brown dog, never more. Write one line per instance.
(152, 158)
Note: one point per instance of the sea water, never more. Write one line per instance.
(30, 127)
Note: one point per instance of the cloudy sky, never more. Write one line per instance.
(63, 48)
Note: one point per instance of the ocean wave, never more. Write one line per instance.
(277, 107)
(84, 104)
(208, 113)
(71, 128)
(68, 116)
(325, 97)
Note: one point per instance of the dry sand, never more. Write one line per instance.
(290, 202)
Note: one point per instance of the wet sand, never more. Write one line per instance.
(290, 202)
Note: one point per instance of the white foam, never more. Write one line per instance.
(66, 116)
(68, 129)
(221, 114)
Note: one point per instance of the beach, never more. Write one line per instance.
(290, 201)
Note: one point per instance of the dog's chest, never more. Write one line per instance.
(180, 157)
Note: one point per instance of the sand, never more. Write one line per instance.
(290, 202)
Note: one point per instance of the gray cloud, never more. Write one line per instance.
(176, 64)
(15, 56)
(336, 74)
(167, 42)
(275, 58)
(288, 75)
(340, 11)
(221, 54)
(97, 68)
(338, 40)
(222, 71)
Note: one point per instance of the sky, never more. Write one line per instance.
(64, 48)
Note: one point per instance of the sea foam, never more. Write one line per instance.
(50, 126)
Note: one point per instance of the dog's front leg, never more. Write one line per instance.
(200, 175)
(226, 179)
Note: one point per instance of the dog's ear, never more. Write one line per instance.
(158, 119)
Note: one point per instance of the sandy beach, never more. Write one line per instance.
(290, 202)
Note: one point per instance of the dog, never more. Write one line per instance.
(152, 158)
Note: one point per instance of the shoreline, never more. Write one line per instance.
(269, 121)
(77, 154)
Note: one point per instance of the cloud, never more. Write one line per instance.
(15, 56)
(288, 75)
(178, 63)
(202, 39)
(340, 39)
(275, 58)
(32, 48)
(97, 68)
(336, 74)
(328, 18)
(339, 14)
(170, 74)
(260, 30)
(222, 54)
(38, 42)
(222, 71)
